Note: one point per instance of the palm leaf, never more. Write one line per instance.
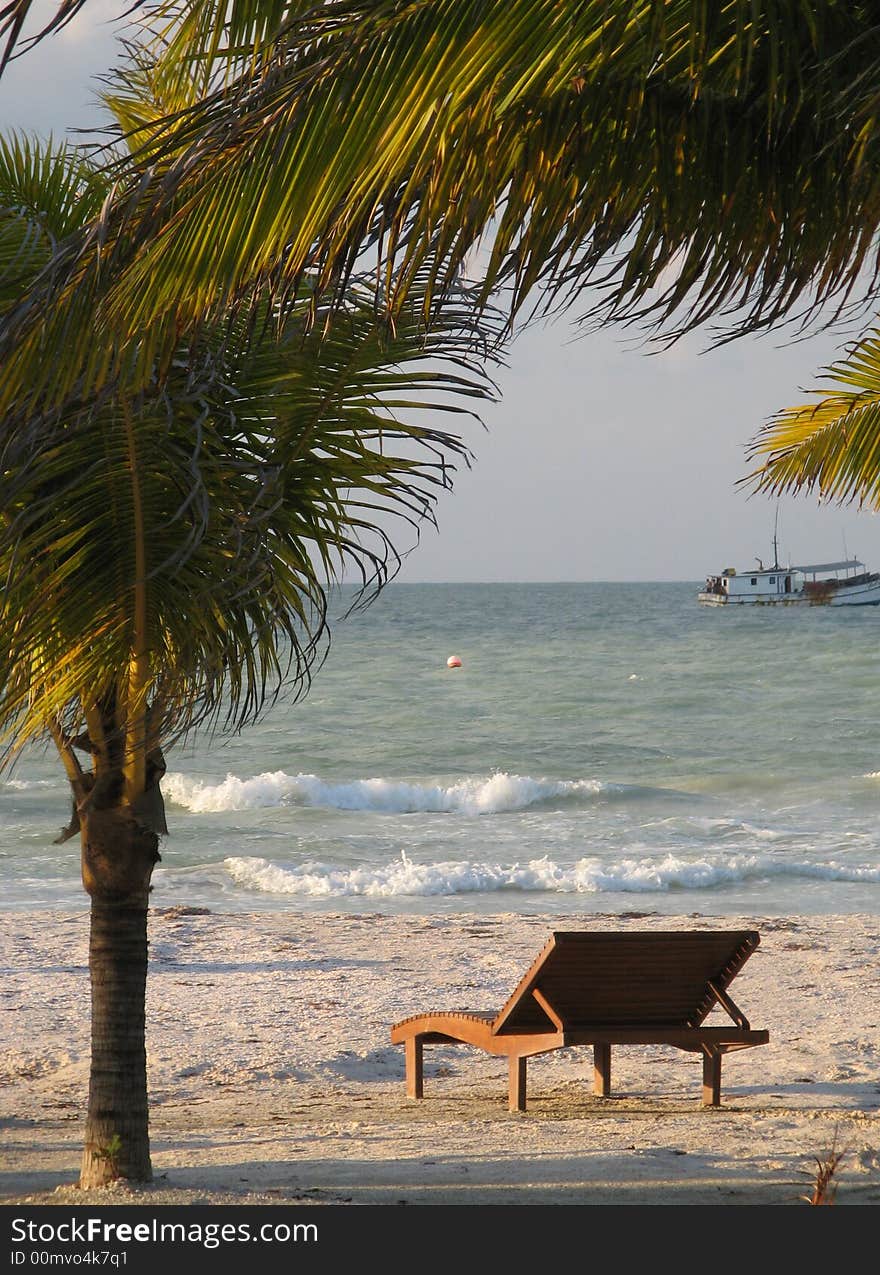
(832, 446)
(13, 16)
(271, 459)
(47, 193)
(660, 161)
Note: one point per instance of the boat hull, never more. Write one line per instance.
(865, 595)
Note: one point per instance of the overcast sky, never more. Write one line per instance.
(601, 462)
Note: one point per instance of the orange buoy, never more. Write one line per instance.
(453, 662)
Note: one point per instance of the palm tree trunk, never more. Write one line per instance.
(119, 853)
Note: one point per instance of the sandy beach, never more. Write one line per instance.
(273, 1079)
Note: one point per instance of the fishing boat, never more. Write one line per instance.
(834, 584)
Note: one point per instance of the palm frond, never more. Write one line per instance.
(207, 43)
(47, 193)
(271, 459)
(659, 161)
(13, 17)
(831, 446)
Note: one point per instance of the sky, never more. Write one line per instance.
(601, 461)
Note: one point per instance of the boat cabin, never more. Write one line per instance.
(757, 585)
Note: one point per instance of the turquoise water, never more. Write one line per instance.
(603, 747)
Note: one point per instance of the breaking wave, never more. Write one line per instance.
(473, 796)
(403, 877)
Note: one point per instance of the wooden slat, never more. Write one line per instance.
(659, 976)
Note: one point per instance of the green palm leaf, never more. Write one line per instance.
(171, 548)
(47, 193)
(832, 446)
(661, 160)
(263, 467)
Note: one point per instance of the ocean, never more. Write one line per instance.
(611, 748)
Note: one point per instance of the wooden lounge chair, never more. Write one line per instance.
(604, 989)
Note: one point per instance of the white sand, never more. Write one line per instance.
(273, 1079)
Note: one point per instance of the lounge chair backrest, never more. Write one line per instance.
(665, 978)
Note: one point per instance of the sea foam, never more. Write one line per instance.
(479, 795)
(403, 877)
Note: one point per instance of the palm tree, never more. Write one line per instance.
(164, 554)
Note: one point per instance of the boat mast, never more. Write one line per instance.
(775, 541)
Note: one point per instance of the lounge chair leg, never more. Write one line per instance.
(517, 1083)
(602, 1070)
(711, 1078)
(413, 1048)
